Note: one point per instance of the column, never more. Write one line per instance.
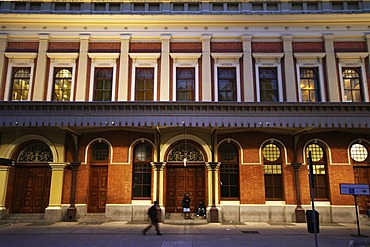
(3, 45)
(248, 81)
(158, 186)
(290, 84)
(82, 68)
(299, 211)
(206, 68)
(53, 212)
(367, 36)
(123, 68)
(4, 174)
(331, 69)
(165, 68)
(213, 188)
(72, 210)
(40, 73)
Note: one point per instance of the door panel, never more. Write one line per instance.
(98, 189)
(181, 180)
(362, 177)
(32, 190)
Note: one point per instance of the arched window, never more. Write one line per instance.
(37, 152)
(352, 85)
(100, 151)
(21, 83)
(62, 85)
(103, 84)
(273, 172)
(144, 85)
(185, 84)
(142, 172)
(321, 190)
(229, 171)
(227, 84)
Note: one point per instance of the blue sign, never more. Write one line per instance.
(355, 189)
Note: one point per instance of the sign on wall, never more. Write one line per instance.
(355, 189)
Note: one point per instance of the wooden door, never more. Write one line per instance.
(31, 190)
(181, 180)
(362, 177)
(98, 189)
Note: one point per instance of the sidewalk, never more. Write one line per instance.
(213, 234)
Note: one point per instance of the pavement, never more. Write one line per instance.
(188, 234)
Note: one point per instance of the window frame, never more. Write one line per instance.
(227, 60)
(263, 60)
(103, 90)
(58, 61)
(141, 164)
(350, 61)
(185, 60)
(144, 60)
(103, 60)
(19, 60)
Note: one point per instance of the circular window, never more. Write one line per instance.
(316, 152)
(359, 152)
(100, 151)
(271, 152)
(143, 152)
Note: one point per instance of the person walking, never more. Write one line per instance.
(153, 216)
(186, 206)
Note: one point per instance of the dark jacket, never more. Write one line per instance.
(186, 202)
(153, 214)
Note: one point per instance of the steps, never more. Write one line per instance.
(23, 218)
(93, 218)
(178, 219)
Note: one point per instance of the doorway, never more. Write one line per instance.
(31, 189)
(189, 179)
(98, 189)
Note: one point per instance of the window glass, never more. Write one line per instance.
(185, 84)
(268, 84)
(352, 85)
(144, 84)
(103, 84)
(359, 152)
(321, 190)
(62, 85)
(21, 83)
(229, 171)
(226, 84)
(100, 151)
(273, 172)
(309, 84)
(142, 171)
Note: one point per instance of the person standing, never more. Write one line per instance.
(153, 216)
(186, 206)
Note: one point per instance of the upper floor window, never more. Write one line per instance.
(185, 84)
(273, 172)
(352, 85)
(227, 84)
(21, 83)
(229, 171)
(103, 84)
(268, 84)
(319, 164)
(144, 84)
(62, 84)
(309, 84)
(142, 171)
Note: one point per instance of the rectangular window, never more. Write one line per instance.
(142, 180)
(227, 90)
(144, 84)
(268, 80)
(273, 182)
(20, 83)
(352, 85)
(103, 84)
(185, 84)
(229, 177)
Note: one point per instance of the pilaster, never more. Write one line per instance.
(331, 69)
(248, 82)
(82, 68)
(3, 45)
(165, 68)
(4, 174)
(40, 81)
(290, 85)
(206, 68)
(123, 68)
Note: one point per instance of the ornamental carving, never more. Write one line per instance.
(38, 152)
(188, 151)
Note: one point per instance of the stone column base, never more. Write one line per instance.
(3, 212)
(53, 214)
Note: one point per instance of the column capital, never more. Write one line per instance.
(74, 165)
(158, 165)
(125, 36)
(206, 37)
(5, 168)
(84, 36)
(213, 166)
(296, 165)
(166, 36)
(58, 166)
(44, 36)
(246, 37)
(328, 36)
(287, 37)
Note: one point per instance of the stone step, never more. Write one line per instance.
(23, 218)
(178, 219)
(90, 218)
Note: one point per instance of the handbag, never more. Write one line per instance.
(186, 210)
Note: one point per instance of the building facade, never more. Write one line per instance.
(107, 106)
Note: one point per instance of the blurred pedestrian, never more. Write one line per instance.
(154, 220)
(186, 206)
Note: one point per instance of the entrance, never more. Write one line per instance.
(31, 189)
(181, 180)
(98, 189)
(362, 177)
